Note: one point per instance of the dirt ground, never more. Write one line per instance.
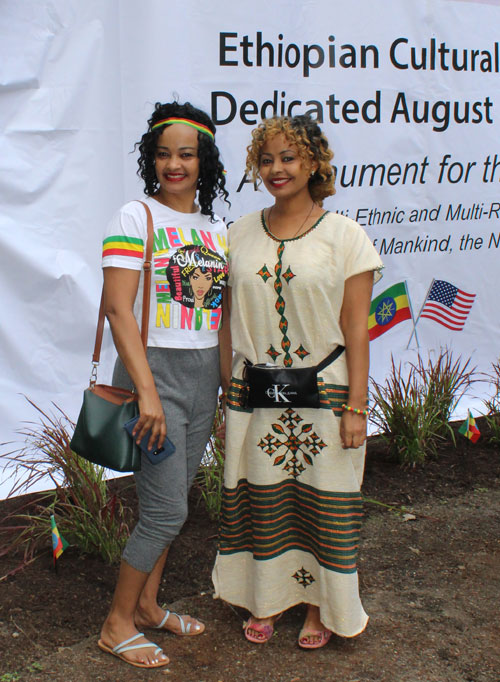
(429, 581)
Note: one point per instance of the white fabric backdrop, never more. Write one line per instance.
(78, 81)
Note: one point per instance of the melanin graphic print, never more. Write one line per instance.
(196, 276)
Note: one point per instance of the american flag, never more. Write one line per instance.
(447, 304)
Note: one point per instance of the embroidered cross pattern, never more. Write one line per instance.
(280, 276)
(301, 352)
(305, 444)
(264, 273)
(303, 577)
(272, 352)
(280, 307)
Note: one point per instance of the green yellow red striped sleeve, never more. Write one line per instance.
(121, 245)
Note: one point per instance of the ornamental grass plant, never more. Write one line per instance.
(210, 477)
(408, 425)
(88, 516)
(493, 404)
(444, 382)
(412, 409)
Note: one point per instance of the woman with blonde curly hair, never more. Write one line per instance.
(300, 287)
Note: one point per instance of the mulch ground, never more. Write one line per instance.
(429, 581)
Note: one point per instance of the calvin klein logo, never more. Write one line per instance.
(276, 393)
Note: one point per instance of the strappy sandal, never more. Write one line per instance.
(306, 634)
(127, 645)
(187, 630)
(265, 630)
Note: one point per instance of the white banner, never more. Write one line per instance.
(406, 91)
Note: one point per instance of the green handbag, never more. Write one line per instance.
(99, 435)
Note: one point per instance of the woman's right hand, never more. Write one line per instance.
(151, 417)
(120, 290)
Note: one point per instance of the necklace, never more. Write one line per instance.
(300, 227)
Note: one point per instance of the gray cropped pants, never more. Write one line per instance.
(187, 381)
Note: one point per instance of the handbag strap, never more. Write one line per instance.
(324, 363)
(146, 296)
(330, 358)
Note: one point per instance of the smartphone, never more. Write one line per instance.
(155, 455)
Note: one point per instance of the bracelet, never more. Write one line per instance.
(348, 408)
(222, 396)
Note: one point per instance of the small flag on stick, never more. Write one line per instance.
(447, 304)
(388, 309)
(59, 544)
(469, 428)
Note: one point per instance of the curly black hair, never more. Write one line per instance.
(211, 181)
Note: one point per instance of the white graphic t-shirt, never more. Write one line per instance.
(189, 271)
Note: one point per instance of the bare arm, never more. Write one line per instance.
(226, 355)
(354, 325)
(120, 289)
(225, 348)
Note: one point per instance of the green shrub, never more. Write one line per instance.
(444, 382)
(413, 407)
(400, 413)
(493, 404)
(87, 515)
(210, 478)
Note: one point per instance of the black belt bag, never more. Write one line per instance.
(270, 386)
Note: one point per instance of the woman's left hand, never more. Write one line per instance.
(220, 431)
(352, 430)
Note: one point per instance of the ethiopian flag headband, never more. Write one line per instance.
(187, 122)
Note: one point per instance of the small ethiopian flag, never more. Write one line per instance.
(390, 308)
(469, 428)
(59, 544)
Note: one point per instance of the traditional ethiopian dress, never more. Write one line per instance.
(292, 503)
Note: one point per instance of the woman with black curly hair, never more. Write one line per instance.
(300, 286)
(177, 380)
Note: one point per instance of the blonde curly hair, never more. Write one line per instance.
(312, 147)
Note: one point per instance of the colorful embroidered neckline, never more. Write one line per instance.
(290, 239)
